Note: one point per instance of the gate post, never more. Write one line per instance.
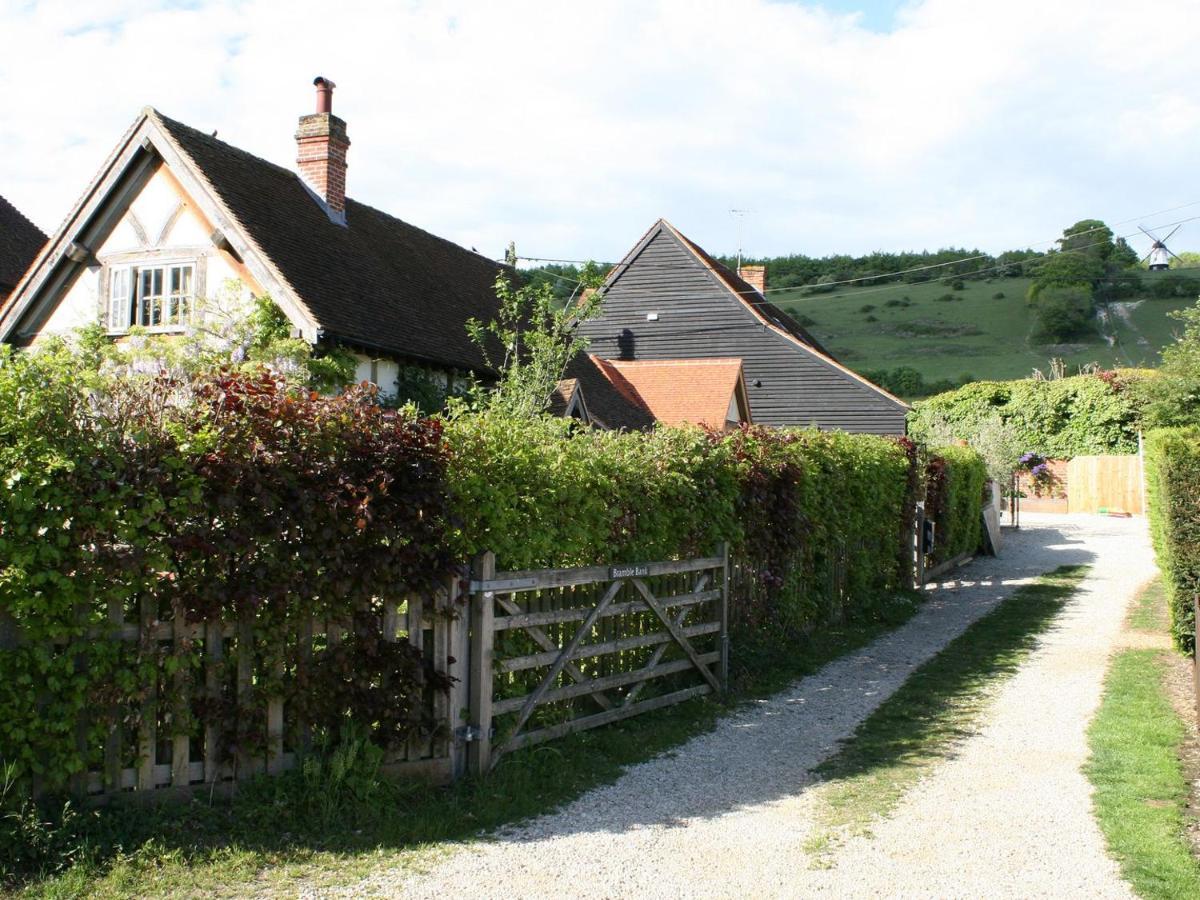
(919, 548)
(483, 608)
(724, 664)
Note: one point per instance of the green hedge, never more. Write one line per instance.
(227, 496)
(1173, 494)
(794, 505)
(1060, 419)
(954, 500)
(234, 495)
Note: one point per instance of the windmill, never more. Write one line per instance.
(1159, 255)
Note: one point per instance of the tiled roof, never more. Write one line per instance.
(377, 283)
(20, 241)
(678, 391)
(610, 401)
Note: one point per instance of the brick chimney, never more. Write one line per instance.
(321, 144)
(755, 276)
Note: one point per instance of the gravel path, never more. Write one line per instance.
(729, 812)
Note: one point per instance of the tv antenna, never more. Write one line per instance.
(740, 215)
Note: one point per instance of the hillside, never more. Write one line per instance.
(946, 334)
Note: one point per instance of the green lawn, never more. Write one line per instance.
(1140, 790)
(976, 333)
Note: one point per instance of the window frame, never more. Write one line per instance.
(130, 315)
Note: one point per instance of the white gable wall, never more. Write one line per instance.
(161, 223)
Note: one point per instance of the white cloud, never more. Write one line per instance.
(570, 127)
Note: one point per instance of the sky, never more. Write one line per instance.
(570, 127)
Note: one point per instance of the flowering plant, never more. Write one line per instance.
(1039, 470)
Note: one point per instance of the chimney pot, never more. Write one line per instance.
(321, 144)
(324, 94)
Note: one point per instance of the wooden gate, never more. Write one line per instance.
(545, 643)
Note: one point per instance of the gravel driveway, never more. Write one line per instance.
(728, 813)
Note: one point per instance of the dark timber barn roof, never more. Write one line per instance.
(703, 309)
(20, 241)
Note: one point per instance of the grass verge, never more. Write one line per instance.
(277, 831)
(1141, 792)
(939, 705)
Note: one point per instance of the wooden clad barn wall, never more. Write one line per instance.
(1112, 483)
(699, 317)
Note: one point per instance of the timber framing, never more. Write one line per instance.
(146, 146)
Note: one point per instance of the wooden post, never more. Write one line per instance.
(214, 652)
(479, 750)
(180, 741)
(724, 664)
(148, 729)
(919, 549)
(1196, 653)
(245, 681)
(112, 745)
(458, 637)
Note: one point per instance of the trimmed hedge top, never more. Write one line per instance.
(1063, 418)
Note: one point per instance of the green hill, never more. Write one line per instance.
(983, 330)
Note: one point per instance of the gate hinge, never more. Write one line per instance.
(468, 733)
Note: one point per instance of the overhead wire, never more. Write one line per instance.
(915, 269)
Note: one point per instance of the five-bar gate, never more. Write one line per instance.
(555, 651)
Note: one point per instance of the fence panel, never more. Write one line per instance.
(156, 747)
(1109, 483)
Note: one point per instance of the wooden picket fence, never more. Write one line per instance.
(155, 757)
(532, 656)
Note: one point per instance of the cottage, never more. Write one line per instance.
(20, 241)
(176, 214)
(669, 300)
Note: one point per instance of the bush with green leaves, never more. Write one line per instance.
(219, 497)
(954, 478)
(1173, 497)
(543, 493)
(1060, 418)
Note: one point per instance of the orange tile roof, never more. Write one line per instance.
(678, 391)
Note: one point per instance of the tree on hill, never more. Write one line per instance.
(1188, 259)
(1123, 256)
(1063, 312)
(1173, 398)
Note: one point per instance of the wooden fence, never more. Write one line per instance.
(555, 651)
(153, 755)
(1109, 483)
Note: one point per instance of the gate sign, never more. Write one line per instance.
(628, 571)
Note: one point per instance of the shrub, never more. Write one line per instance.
(999, 295)
(1173, 495)
(1062, 312)
(866, 308)
(871, 319)
(219, 497)
(1061, 418)
(954, 500)
(789, 502)
(945, 298)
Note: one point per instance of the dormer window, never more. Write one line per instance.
(158, 297)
